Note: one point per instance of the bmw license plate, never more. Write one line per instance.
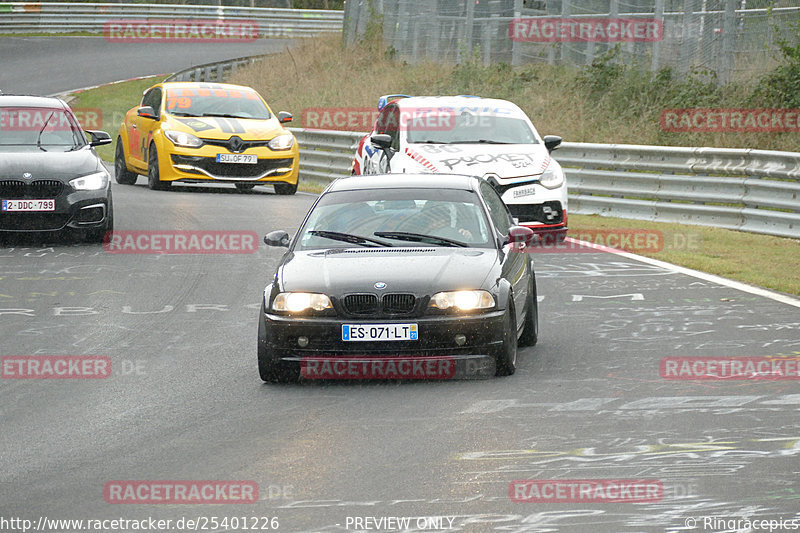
(29, 205)
(379, 332)
(249, 159)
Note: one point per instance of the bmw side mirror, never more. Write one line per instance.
(99, 138)
(147, 112)
(284, 117)
(520, 235)
(551, 142)
(277, 238)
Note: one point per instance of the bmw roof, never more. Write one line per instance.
(26, 100)
(405, 181)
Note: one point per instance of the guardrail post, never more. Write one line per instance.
(655, 59)
(729, 31)
(516, 47)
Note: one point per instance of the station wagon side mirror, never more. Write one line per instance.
(146, 112)
(99, 138)
(551, 142)
(277, 238)
(284, 117)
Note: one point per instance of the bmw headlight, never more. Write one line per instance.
(297, 302)
(462, 300)
(185, 140)
(282, 142)
(553, 175)
(92, 182)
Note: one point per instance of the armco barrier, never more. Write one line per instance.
(58, 17)
(749, 190)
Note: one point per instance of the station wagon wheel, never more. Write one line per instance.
(153, 178)
(505, 357)
(121, 172)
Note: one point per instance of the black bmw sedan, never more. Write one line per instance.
(51, 179)
(399, 276)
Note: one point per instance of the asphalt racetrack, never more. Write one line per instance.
(49, 65)
(184, 400)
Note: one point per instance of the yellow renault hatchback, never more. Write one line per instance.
(201, 132)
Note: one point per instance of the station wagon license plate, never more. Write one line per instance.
(379, 332)
(29, 205)
(248, 159)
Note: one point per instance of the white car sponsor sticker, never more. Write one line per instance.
(524, 191)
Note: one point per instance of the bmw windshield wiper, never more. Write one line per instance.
(181, 114)
(419, 237)
(39, 137)
(347, 237)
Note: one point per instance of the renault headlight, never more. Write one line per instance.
(553, 175)
(185, 140)
(297, 302)
(462, 300)
(282, 142)
(91, 182)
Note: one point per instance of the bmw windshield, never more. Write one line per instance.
(39, 128)
(397, 217)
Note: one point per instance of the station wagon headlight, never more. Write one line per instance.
(282, 142)
(297, 302)
(91, 182)
(553, 176)
(462, 300)
(185, 140)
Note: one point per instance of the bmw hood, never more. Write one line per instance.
(419, 271)
(48, 165)
(505, 160)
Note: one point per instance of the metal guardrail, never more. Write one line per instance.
(749, 190)
(57, 17)
(218, 71)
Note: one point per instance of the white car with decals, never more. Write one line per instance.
(485, 137)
